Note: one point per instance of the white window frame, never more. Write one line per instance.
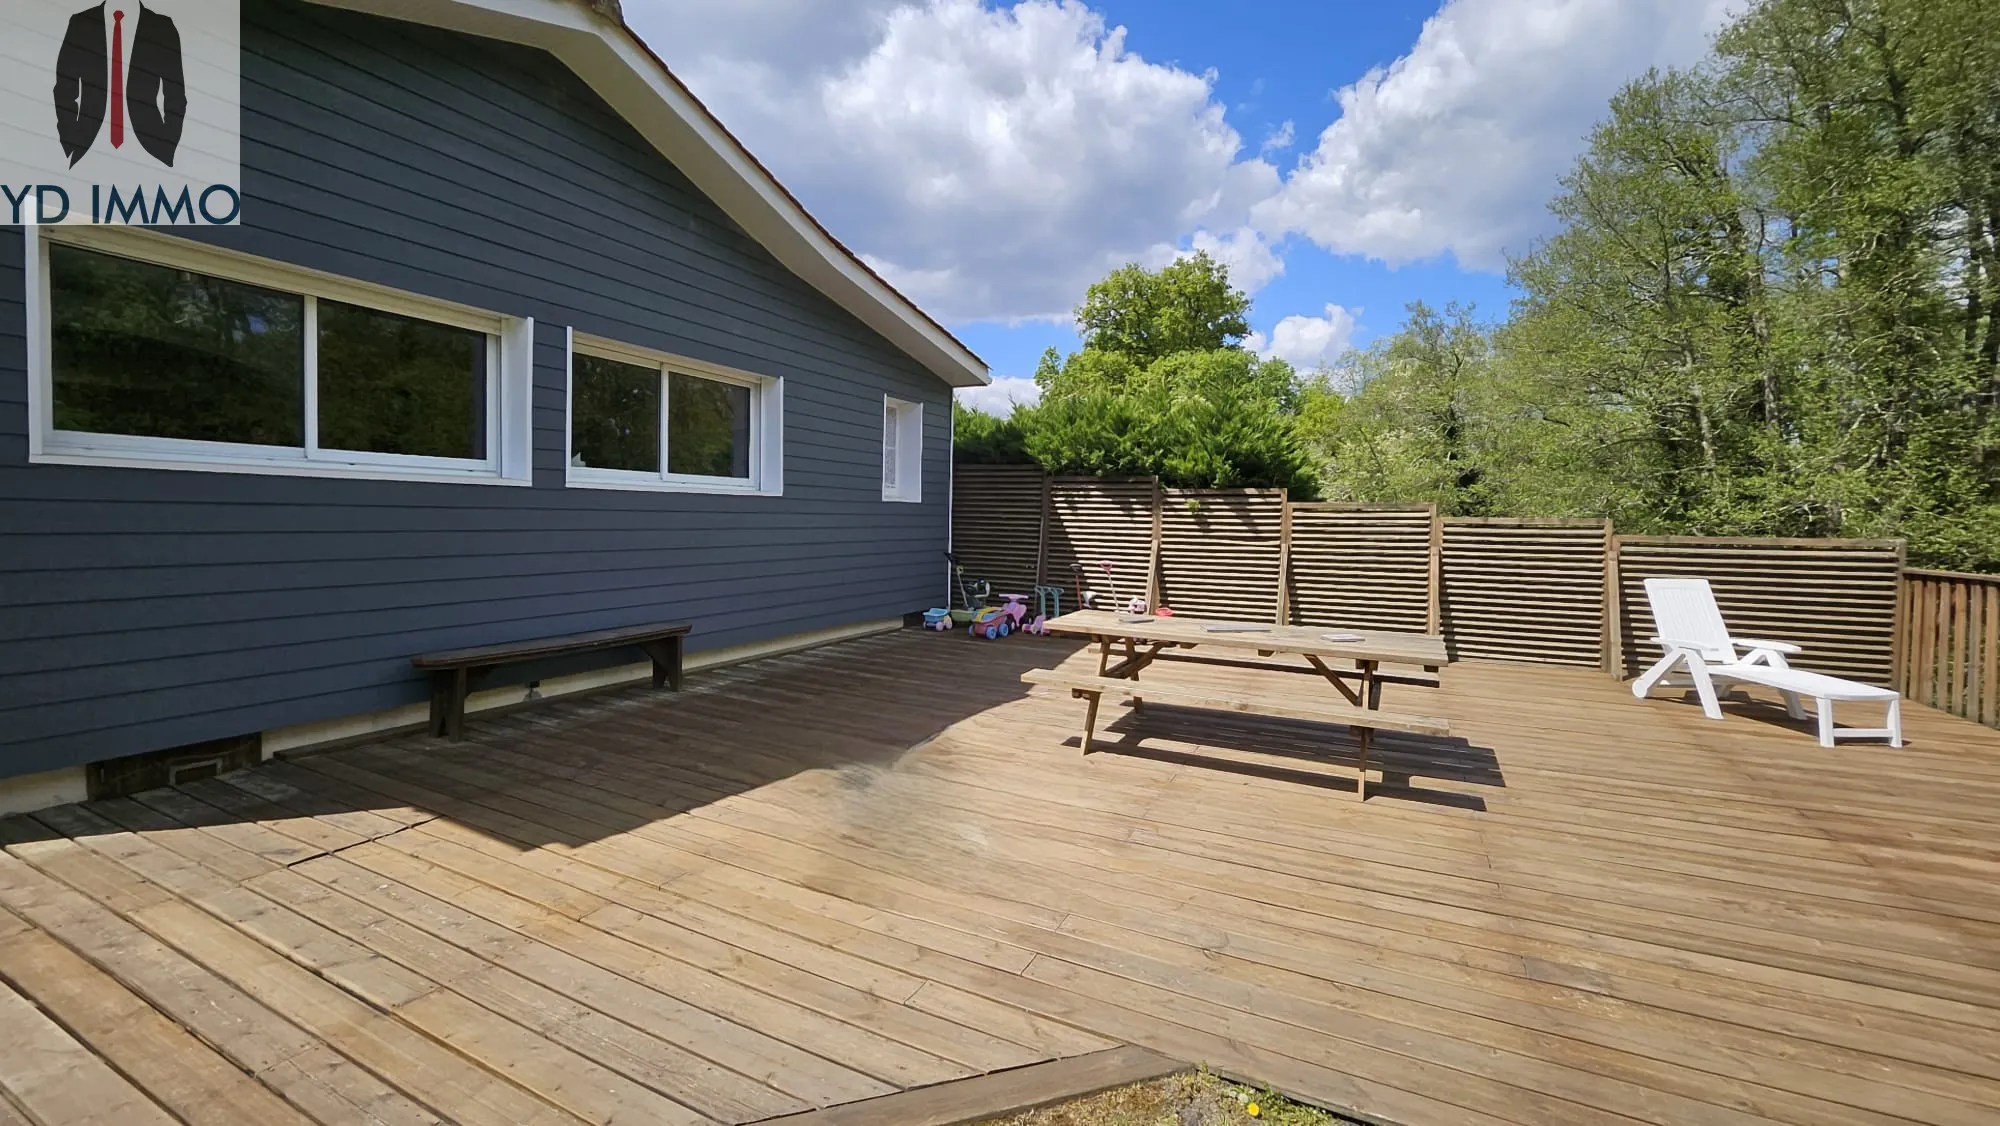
(767, 425)
(905, 420)
(509, 384)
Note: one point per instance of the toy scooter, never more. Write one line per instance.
(1048, 604)
(1134, 606)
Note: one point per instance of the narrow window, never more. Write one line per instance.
(902, 450)
(889, 437)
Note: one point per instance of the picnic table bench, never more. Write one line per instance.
(1129, 644)
(455, 672)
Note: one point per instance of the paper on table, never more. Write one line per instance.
(1133, 621)
(1340, 637)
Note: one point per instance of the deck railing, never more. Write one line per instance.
(1949, 644)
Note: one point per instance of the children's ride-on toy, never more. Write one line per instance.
(938, 619)
(1015, 606)
(972, 595)
(990, 623)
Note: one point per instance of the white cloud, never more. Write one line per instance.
(1307, 343)
(1457, 145)
(1281, 138)
(1000, 396)
(1251, 259)
(992, 159)
(991, 162)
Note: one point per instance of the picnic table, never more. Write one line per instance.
(1357, 663)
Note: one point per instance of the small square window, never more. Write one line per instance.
(902, 450)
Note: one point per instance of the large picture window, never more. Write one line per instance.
(641, 420)
(162, 352)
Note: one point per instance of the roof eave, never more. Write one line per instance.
(623, 71)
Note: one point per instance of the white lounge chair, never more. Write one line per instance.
(1692, 632)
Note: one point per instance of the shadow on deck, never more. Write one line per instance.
(883, 866)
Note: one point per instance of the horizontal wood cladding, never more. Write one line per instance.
(996, 524)
(1524, 590)
(1950, 643)
(1835, 598)
(1220, 551)
(1361, 566)
(144, 609)
(1093, 521)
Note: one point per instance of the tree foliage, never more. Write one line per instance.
(1770, 307)
(1145, 315)
(1161, 387)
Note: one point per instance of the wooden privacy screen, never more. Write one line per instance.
(1094, 519)
(1525, 590)
(1836, 598)
(996, 524)
(1220, 552)
(1950, 643)
(1362, 567)
(1559, 591)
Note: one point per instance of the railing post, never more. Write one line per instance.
(1042, 535)
(1899, 643)
(1612, 640)
(1153, 562)
(1434, 611)
(1285, 562)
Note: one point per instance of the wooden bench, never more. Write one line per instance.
(454, 673)
(1363, 721)
(1426, 678)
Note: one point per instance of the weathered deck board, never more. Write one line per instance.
(884, 865)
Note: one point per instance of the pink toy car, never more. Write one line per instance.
(1015, 606)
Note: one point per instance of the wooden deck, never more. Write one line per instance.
(883, 865)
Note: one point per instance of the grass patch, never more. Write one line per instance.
(1194, 1099)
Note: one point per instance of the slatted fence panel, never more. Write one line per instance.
(1951, 643)
(1095, 519)
(1835, 598)
(996, 523)
(1220, 550)
(1525, 590)
(1361, 566)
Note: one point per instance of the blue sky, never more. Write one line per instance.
(1345, 157)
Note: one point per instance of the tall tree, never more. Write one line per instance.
(1144, 315)
(1879, 131)
(1651, 302)
(1411, 425)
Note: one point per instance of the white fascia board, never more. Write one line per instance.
(638, 86)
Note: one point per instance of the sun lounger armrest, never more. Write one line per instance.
(1773, 646)
(1675, 643)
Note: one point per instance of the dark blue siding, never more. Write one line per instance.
(143, 609)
